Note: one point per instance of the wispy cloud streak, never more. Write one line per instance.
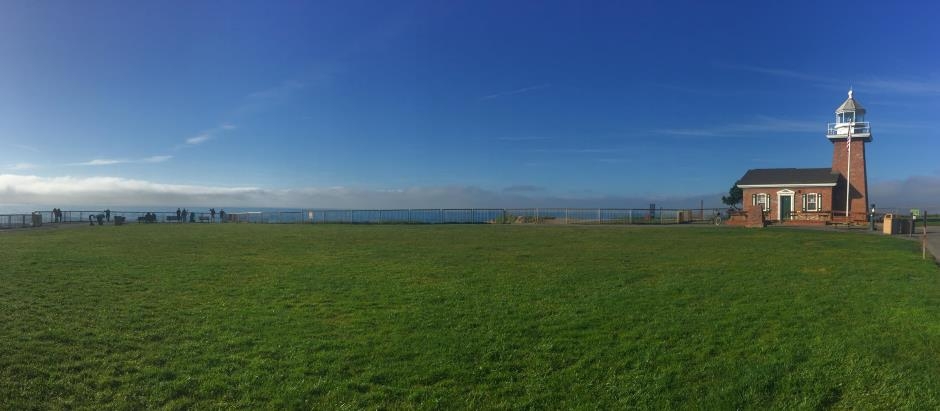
(514, 92)
(762, 126)
(778, 72)
(25, 147)
(209, 134)
(886, 85)
(108, 162)
(21, 166)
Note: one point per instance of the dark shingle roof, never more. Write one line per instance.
(788, 176)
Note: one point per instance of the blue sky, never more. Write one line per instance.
(387, 104)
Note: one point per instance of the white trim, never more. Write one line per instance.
(765, 205)
(815, 197)
(786, 185)
(780, 194)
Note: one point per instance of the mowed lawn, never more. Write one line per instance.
(339, 316)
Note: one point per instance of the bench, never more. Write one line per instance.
(173, 218)
(204, 218)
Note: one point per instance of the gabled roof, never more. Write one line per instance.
(850, 105)
(792, 177)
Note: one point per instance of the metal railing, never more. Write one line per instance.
(862, 127)
(583, 216)
(20, 220)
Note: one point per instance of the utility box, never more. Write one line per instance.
(684, 216)
(896, 225)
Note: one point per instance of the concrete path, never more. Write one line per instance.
(933, 242)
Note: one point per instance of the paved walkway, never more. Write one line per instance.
(933, 242)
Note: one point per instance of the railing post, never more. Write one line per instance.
(566, 216)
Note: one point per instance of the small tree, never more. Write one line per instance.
(734, 197)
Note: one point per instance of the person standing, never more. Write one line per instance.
(107, 214)
(179, 213)
(185, 213)
(221, 215)
(212, 214)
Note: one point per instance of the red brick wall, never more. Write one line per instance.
(859, 184)
(772, 215)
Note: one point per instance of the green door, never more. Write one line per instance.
(785, 207)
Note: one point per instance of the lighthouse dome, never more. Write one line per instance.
(850, 104)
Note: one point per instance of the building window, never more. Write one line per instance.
(812, 202)
(761, 199)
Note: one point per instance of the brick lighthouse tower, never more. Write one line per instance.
(848, 135)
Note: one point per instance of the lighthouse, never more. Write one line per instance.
(848, 135)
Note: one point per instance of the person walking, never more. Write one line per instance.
(212, 214)
(179, 213)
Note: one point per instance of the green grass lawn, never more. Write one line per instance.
(338, 316)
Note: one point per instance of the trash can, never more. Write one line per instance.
(37, 220)
(118, 220)
(888, 225)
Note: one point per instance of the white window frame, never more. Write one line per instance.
(757, 200)
(812, 199)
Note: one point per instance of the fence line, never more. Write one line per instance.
(562, 216)
(580, 216)
(19, 220)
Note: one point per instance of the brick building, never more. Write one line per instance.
(816, 195)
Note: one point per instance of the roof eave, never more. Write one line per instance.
(787, 185)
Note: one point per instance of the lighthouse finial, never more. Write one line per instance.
(850, 92)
